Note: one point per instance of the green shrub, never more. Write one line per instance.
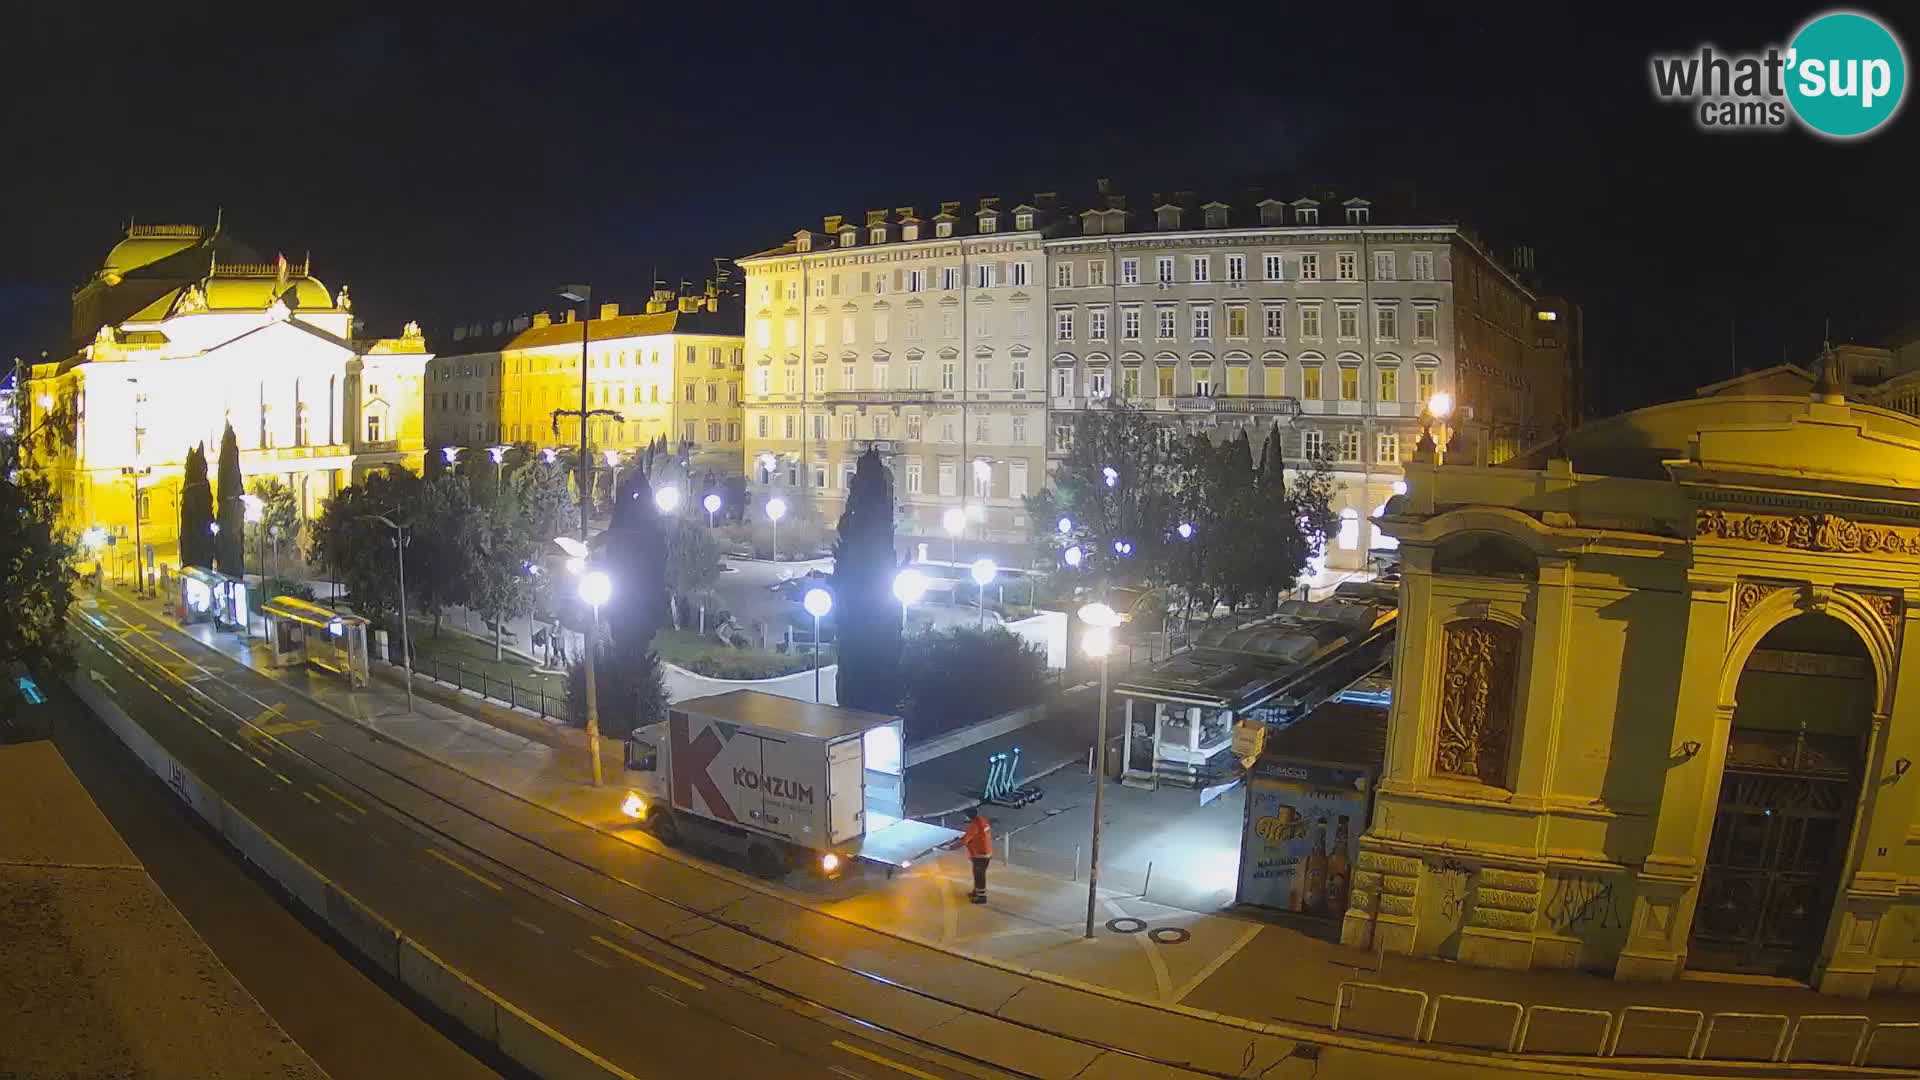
(964, 675)
(717, 661)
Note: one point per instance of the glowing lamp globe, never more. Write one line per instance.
(712, 503)
(596, 588)
(817, 602)
(909, 586)
(776, 509)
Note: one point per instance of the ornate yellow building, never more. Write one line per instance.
(182, 331)
(1653, 709)
(671, 370)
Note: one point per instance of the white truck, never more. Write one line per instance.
(785, 783)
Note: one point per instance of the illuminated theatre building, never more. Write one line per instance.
(1654, 709)
(179, 333)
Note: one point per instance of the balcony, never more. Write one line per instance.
(1257, 405)
(1194, 403)
(878, 397)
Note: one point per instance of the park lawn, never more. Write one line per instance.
(703, 656)
(476, 656)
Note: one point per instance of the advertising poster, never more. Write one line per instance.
(1302, 836)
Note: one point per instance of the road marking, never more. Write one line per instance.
(354, 806)
(463, 868)
(590, 958)
(262, 764)
(659, 967)
(1154, 960)
(844, 1071)
(311, 797)
(381, 840)
(102, 680)
(284, 778)
(1216, 963)
(751, 1035)
(343, 817)
(668, 996)
(525, 925)
(878, 1059)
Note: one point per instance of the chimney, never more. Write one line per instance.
(876, 217)
(541, 318)
(989, 202)
(459, 333)
(1102, 186)
(1046, 200)
(609, 311)
(905, 213)
(831, 223)
(950, 208)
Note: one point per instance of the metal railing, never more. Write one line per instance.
(1637, 1031)
(537, 699)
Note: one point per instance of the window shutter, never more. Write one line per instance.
(899, 280)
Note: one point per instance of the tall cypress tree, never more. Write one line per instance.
(196, 512)
(229, 547)
(864, 607)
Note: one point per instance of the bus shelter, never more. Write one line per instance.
(302, 632)
(203, 595)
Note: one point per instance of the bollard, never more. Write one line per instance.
(1089, 761)
(1148, 884)
(1076, 862)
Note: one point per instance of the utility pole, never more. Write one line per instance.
(139, 436)
(583, 295)
(400, 564)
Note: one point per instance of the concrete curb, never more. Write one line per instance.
(513, 1031)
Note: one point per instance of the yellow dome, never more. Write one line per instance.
(255, 294)
(137, 251)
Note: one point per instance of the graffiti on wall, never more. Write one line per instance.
(1585, 903)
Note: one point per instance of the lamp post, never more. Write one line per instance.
(583, 295)
(817, 602)
(596, 588)
(776, 509)
(612, 458)
(400, 565)
(139, 436)
(712, 506)
(253, 510)
(983, 573)
(1100, 620)
(955, 521)
(1440, 406)
(909, 586)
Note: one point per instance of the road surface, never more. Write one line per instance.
(345, 1017)
(409, 855)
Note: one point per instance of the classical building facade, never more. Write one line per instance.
(181, 332)
(917, 336)
(963, 344)
(672, 370)
(1329, 315)
(1653, 709)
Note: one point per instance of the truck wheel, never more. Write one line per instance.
(765, 861)
(666, 829)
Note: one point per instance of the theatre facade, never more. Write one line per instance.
(1653, 706)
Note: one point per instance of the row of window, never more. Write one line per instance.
(1273, 323)
(718, 359)
(1012, 485)
(1344, 447)
(881, 378)
(1200, 270)
(564, 396)
(1310, 384)
(982, 323)
(913, 428)
(604, 431)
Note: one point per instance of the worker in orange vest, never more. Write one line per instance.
(978, 840)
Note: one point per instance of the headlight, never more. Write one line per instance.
(634, 807)
(829, 862)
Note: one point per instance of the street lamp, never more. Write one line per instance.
(451, 454)
(768, 463)
(817, 602)
(253, 510)
(1066, 526)
(1185, 530)
(955, 521)
(549, 454)
(1112, 476)
(498, 453)
(1100, 620)
(596, 588)
(909, 586)
(983, 572)
(776, 509)
(1073, 556)
(666, 499)
(400, 566)
(1439, 407)
(712, 505)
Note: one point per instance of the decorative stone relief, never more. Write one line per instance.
(1885, 605)
(1384, 883)
(1476, 700)
(1747, 596)
(1807, 532)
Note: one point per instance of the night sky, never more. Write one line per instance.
(455, 167)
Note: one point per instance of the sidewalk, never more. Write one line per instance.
(1207, 969)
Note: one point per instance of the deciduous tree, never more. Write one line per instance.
(36, 565)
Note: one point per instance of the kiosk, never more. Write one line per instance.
(302, 632)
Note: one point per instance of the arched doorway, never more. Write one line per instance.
(1803, 713)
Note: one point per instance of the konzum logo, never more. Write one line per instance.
(778, 787)
(1843, 75)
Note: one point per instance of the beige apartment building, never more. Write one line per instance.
(921, 337)
(672, 369)
(1324, 313)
